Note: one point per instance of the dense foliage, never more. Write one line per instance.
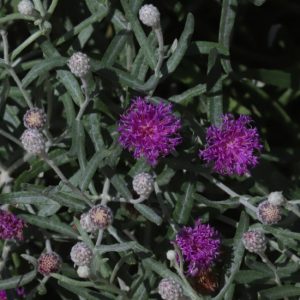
(149, 152)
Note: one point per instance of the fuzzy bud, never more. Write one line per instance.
(86, 224)
(143, 184)
(101, 216)
(83, 271)
(169, 289)
(26, 8)
(255, 241)
(79, 64)
(34, 118)
(171, 255)
(276, 198)
(149, 15)
(81, 254)
(33, 141)
(49, 263)
(268, 213)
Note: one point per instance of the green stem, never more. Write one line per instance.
(87, 100)
(39, 6)
(52, 6)
(293, 208)
(11, 137)
(4, 257)
(63, 178)
(99, 238)
(247, 204)
(160, 39)
(15, 16)
(25, 44)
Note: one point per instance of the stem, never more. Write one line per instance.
(59, 173)
(11, 137)
(247, 204)
(105, 196)
(48, 246)
(160, 39)
(87, 100)
(25, 44)
(99, 238)
(293, 208)
(139, 200)
(4, 257)
(52, 7)
(39, 6)
(15, 16)
(5, 46)
(220, 185)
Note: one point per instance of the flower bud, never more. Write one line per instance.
(276, 198)
(49, 263)
(255, 241)
(143, 184)
(79, 64)
(101, 216)
(33, 141)
(83, 271)
(171, 255)
(169, 289)
(268, 213)
(26, 8)
(81, 254)
(86, 224)
(149, 15)
(34, 118)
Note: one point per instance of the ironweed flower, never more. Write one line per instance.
(11, 227)
(231, 147)
(199, 245)
(3, 295)
(149, 130)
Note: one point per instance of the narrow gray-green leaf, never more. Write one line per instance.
(72, 86)
(50, 224)
(42, 68)
(280, 292)
(148, 213)
(16, 281)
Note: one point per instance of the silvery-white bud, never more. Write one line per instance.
(169, 289)
(86, 224)
(255, 241)
(33, 141)
(143, 184)
(276, 198)
(149, 15)
(79, 64)
(81, 254)
(26, 7)
(268, 213)
(171, 255)
(83, 271)
(34, 118)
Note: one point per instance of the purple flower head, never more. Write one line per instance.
(232, 146)
(11, 227)
(149, 130)
(3, 295)
(199, 245)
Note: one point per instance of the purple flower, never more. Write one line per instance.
(199, 245)
(3, 295)
(232, 146)
(11, 227)
(149, 130)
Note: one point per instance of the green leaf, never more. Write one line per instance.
(94, 130)
(68, 108)
(115, 48)
(42, 68)
(84, 235)
(68, 200)
(72, 86)
(81, 291)
(122, 247)
(238, 253)
(97, 161)
(121, 186)
(50, 224)
(139, 34)
(190, 93)
(184, 204)
(24, 198)
(228, 14)
(182, 46)
(280, 292)
(214, 88)
(17, 281)
(148, 213)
